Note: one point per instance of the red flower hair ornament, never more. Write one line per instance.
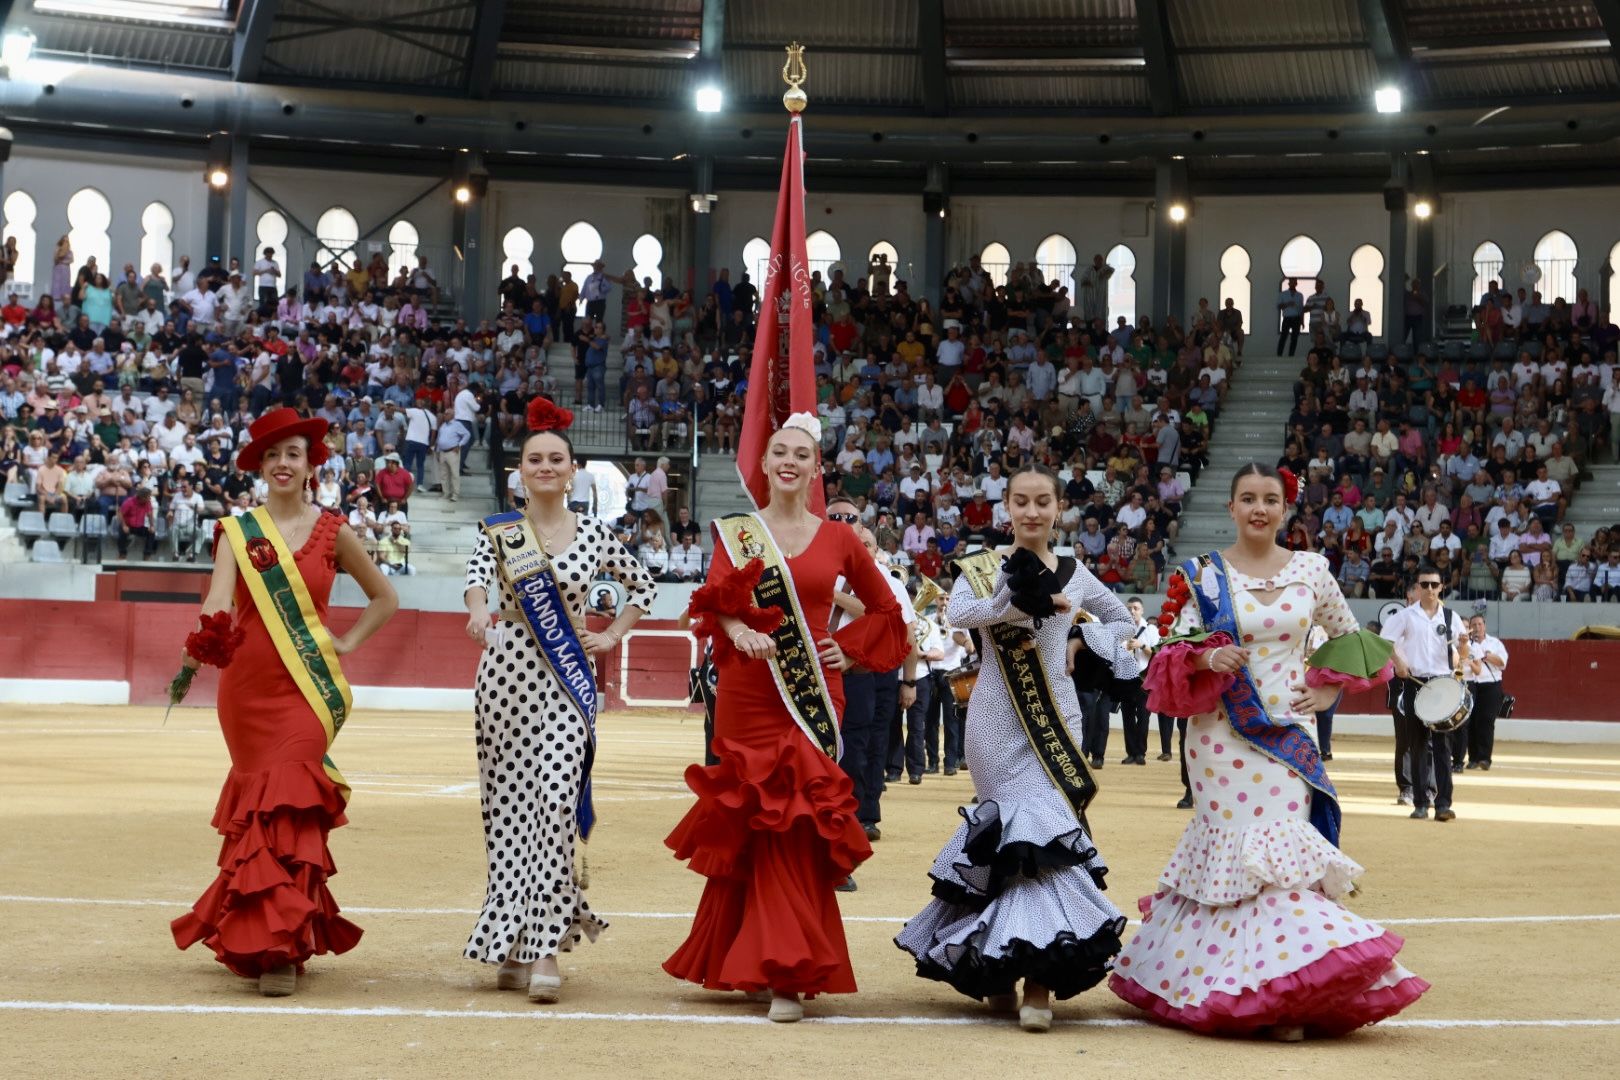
(545, 415)
(1290, 484)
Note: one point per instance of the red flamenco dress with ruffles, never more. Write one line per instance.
(270, 906)
(774, 828)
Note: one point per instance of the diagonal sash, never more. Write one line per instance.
(1031, 694)
(527, 571)
(795, 666)
(1285, 743)
(302, 641)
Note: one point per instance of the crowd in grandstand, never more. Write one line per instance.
(1464, 456)
(129, 402)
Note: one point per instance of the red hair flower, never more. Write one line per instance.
(1290, 484)
(215, 641)
(544, 415)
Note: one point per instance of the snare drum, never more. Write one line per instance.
(963, 680)
(1443, 703)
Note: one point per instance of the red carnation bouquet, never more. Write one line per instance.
(214, 642)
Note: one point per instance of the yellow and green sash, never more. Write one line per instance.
(1031, 693)
(795, 666)
(288, 610)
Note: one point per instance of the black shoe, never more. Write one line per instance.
(873, 833)
(1485, 765)
(1472, 765)
(1445, 815)
(950, 770)
(847, 885)
(932, 770)
(1127, 760)
(1140, 760)
(1327, 757)
(915, 778)
(1096, 763)
(1420, 812)
(1456, 768)
(1186, 803)
(892, 775)
(1164, 756)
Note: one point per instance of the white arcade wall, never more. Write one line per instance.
(619, 216)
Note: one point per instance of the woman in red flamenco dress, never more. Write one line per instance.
(774, 828)
(269, 910)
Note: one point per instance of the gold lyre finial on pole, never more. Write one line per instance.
(794, 74)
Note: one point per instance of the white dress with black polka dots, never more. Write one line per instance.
(531, 747)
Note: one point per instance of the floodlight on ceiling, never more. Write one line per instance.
(709, 98)
(16, 48)
(218, 178)
(1424, 209)
(463, 194)
(1178, 212)
(1387, 99)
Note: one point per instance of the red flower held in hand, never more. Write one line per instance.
(544, 415)
(215, 641)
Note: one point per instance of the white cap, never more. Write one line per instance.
(805, 422)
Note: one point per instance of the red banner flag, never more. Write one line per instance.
(782, 378)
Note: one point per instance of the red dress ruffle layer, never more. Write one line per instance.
(270, 905)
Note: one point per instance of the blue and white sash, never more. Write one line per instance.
(527, 571)
(1285, 743)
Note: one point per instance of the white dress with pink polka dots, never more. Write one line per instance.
(1245, 931)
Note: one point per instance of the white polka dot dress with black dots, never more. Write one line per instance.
(531, 759)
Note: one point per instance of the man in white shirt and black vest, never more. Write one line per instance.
(1133, 709)
(1427, 637)
(1487, 660)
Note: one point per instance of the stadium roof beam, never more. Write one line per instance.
(1608, 12)
(1154, 30)
(486, 43)
(252, 34)
(931, 57)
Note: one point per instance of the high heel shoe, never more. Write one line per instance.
(1032, 1019)
(513, 975)
(278, 981)
(785, 1010)
(545, 989)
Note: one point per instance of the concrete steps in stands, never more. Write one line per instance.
(1597, 504)
(719, 490)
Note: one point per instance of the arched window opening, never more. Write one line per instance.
(1488, 261)
(1556, 256)
(882, 268)
(157, 239)
(336, 233)
(1235, 266)
(1055, 258)
(581, 246)
(1367, 285)
(20, 214)
(648, 253)
(403, 247)
(1122, 286)
(1301, 260)
(822, 251)
(996, 262)
(89, 215)
(756, 259)
(272, 233)
(517, 249)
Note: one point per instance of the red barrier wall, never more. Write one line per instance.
(140, 643)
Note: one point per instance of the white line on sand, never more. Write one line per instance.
(394, 1012)
(79, 901)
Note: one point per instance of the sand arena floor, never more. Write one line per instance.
(1512, 912)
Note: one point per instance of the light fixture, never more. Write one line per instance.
(1178, 212)
(218, 178)
(1387, 99)
(703, 203)
(16, 48)
(942, 211)
(463, 193)
(1424, 209)
(709, 98)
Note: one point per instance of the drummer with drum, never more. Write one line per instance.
(1431, 649)
(1486, 663)
(955, 673)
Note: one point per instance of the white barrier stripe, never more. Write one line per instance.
(71, 901)
(386, 1012)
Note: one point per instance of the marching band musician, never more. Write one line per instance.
(1427, 637)
(922, 718)
(1487, 660)
(958, 649)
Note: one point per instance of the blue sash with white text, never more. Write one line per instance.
(526, 569)
(1287, 744)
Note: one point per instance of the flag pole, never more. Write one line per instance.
(781, 377)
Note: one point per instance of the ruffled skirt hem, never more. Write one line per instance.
(1217, 865)
(1348, 988)
(269, 906)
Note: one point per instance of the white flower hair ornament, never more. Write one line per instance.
(806, 422)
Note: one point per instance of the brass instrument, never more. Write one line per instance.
(927, 593)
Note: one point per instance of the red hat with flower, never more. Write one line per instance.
(276, 426)
(546, 415)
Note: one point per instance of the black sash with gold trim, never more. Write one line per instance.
(1031, 693)
(795, 666)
